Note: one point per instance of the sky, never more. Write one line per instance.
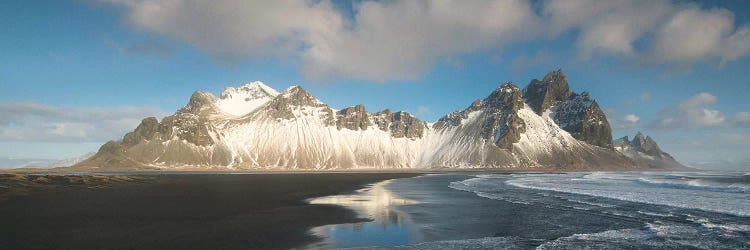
(75, 74)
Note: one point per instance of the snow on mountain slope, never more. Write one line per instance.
(296, 131)
(245, 99)
(256, 127)
(310, 143)
(542, 135)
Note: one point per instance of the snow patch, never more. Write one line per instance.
(245, 99)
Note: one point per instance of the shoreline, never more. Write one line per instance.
(177, 211)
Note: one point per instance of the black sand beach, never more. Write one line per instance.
(174, 211)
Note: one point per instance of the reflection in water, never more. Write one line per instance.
(388, 227)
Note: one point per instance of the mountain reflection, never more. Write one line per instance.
(388, 225)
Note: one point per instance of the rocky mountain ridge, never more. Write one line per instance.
(545, 125)
(644, 150)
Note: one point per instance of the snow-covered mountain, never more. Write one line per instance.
(545, 125)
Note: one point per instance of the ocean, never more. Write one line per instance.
(596, 210)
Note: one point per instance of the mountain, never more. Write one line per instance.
(543, 126)
(644, 150)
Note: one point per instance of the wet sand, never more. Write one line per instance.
(183, 211)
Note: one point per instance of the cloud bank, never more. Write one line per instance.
(36, 122)
(697, 112)
(402, 39)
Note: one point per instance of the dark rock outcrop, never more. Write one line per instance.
(353, 118)
(145, 131)
(400, 124)
(553, 88)
(199, 103)
(297, 98)
(502, 124)
(580, 115)
(647, 146)
(455, 117)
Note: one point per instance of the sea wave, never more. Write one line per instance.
(648, 188)
(695, 184)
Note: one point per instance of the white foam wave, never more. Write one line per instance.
(734, 203)
(694, 184)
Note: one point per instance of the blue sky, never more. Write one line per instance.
(676, 70)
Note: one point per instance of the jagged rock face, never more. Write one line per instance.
(400, 124)
(189, 127)
(455, 117)
(200, 103)
(578, 114)
(647, 145)
(297, 101)
(353, 118)
(541, 95)
(644, 150)
(254, 127)
(145, 131)
(187, 124)
(502, 124)
(581, 117)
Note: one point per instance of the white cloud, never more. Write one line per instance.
(694, 112)
(631, 118)
(693, 34)
(402, 39)
(683, 33)
(609, 27)
(28, 121)
(384, 41)
(618, 121)
(737, 45)
(236, 29)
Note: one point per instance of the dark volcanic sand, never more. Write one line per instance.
(206, 211)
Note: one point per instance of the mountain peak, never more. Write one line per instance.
(541, 95)
(400, 124)
(555, 76)
(353, 118)
(643, 144)
(621, 140)
(644, 148)
(246, 98)
(296, 95)
(200, 101)
(639, 138)
(252, 88)
(507, 95)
